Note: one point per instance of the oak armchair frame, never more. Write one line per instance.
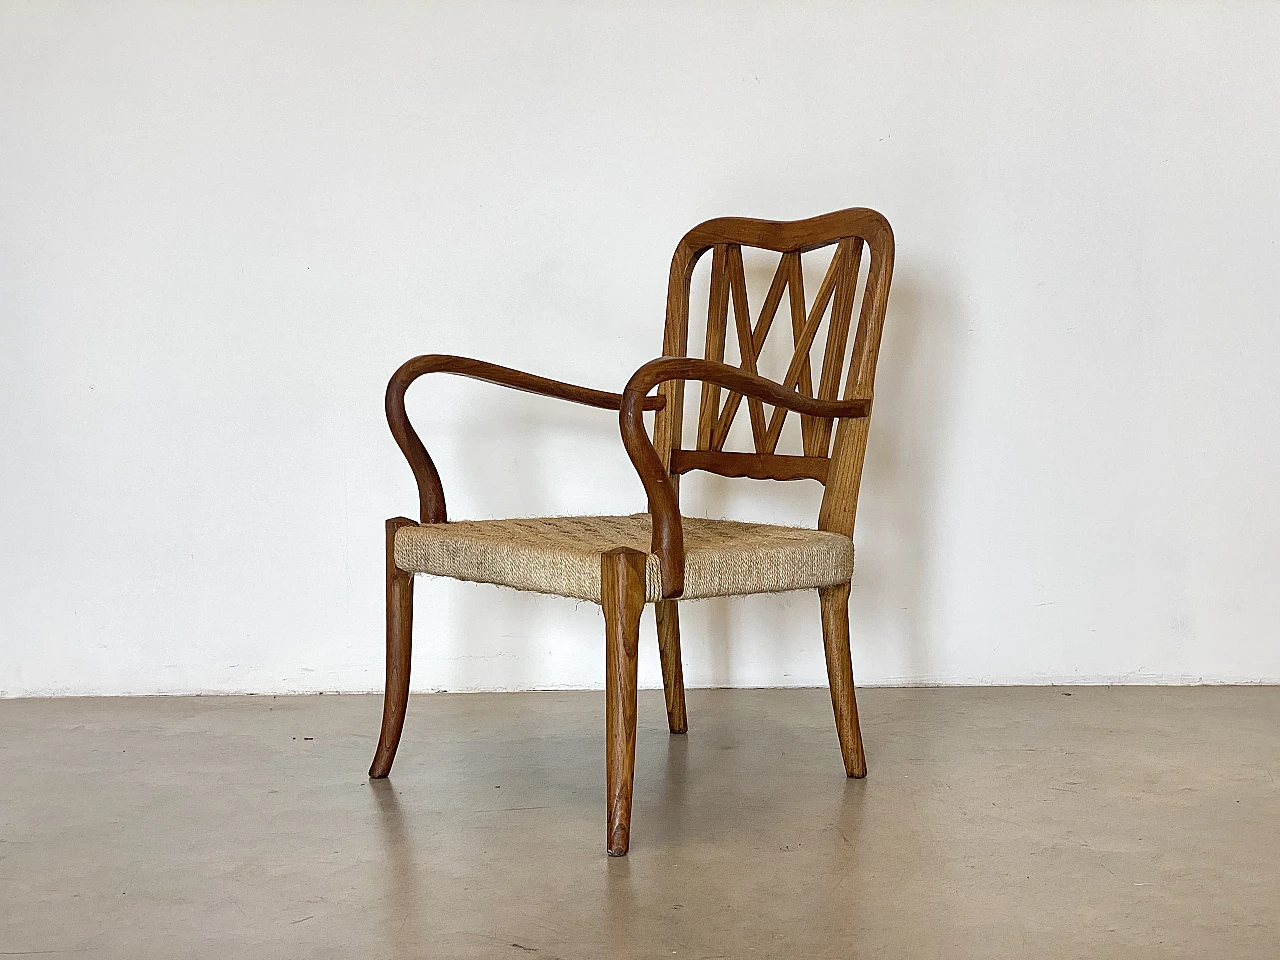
(661, 460)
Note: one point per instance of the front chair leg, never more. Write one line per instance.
(399, 652)
(835, 640)
(622, 586)
(667, 614)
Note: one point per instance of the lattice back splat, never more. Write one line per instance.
(855, 234)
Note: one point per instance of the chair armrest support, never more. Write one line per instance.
(430, 491)
(664, 506)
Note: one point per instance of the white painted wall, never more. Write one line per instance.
(223, 225)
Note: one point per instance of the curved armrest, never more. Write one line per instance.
(430, 490)
(664, 506)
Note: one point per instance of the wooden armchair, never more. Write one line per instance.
(660, 557)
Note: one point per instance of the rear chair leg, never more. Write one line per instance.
(399, 652)
(835, 640)
(667, 613)
(622, 598)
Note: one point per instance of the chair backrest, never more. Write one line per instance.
(840, 468)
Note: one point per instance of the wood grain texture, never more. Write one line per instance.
(395, 701)
(668, 425)
(622, 599)
(747, 348)
(784, 236)
(717, 323)
(667, 615)
(757, 466)
(754, 340)
(799, 320)
(861, 228)
(431, 502)
(849, 254)
(803, 344)
(835, 641)
(840, 500)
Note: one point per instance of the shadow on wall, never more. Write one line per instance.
(894, 597)
(918, 396)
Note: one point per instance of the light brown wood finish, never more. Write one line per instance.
(799, 319)
(755, 338)
(430, 490)
(717, 323)
(622, 598)
(661, 460)
(667, 615)
(849, 257)
(660, 466)
(748, 347)
(399, 654)
(757, 466)
(835, 641)
(800, 358)
(840, 501)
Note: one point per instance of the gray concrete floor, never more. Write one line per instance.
(1014, 822)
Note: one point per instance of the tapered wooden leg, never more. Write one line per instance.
(622, 597)
(399, 653)
(835, 640)
(667, 613)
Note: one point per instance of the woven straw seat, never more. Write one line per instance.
(561, 555)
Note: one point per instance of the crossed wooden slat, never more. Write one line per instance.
(728, 283)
